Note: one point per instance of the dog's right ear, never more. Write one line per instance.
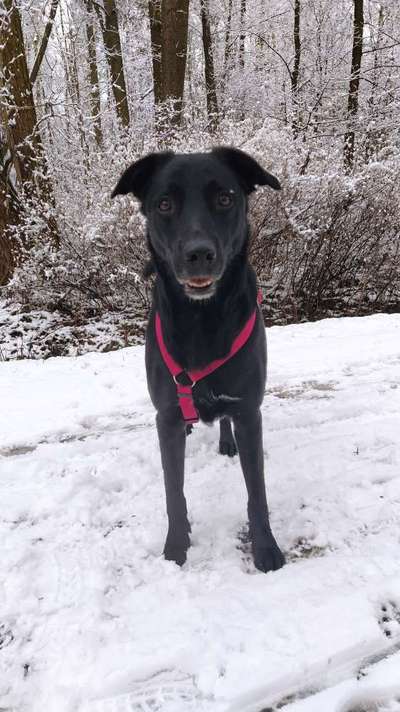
(137, 177)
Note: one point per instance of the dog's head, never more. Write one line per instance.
(196, 210)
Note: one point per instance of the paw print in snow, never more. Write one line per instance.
(389, 619)
(6, 636)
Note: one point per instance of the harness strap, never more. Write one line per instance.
(186, 380)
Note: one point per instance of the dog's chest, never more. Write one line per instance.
(211, 403)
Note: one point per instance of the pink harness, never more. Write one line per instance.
(188, 379)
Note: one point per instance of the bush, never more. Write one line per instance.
(326, 245)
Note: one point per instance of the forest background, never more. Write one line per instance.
(308, 87)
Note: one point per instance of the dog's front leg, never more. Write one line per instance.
(172, 437)
(248, 434)
(227, 445)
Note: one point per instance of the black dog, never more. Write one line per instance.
(205, 297)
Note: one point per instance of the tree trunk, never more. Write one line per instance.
(296, 67)
(75, 94)
(45, 41)
(211, 90)
(174, 21)
(112, 45)
(227, 49)
(18, 115)
(156, 50)
(18, 111)
(352, 101)
(93, 77)
(242, 37)
(9, 251)
(371, 142)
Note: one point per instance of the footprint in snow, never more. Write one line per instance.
(305, 549)
(389, 618)
(151, 697)
(309, 390)
(6, 636)
(373, 701)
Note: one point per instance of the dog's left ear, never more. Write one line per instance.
(248, 171)
(137, 177)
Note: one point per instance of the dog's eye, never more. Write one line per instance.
(224, 199)
(165, 205)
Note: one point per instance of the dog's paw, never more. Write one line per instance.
(176, 547)
(227, 447)
(268, 557)
(175, 553)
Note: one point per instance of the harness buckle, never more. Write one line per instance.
(186, 381)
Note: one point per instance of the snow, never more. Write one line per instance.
(92, 619)
(33, 333)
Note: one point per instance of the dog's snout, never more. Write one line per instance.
(200, 255)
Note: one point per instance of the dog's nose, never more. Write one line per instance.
(200, 255)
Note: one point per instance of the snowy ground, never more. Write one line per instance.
(92, 619)
(26, 333)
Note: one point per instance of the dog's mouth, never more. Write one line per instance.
(199, 287)
(199, 282)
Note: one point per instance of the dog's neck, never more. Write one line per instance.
(197, 332)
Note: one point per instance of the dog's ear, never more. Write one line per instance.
(137, 177)
(247, 170)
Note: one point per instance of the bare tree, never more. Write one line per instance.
(93, 75)
(211, 90)
(296, 67)
(22, 137)
(112, 44)
(45, 40)
(174, 22)
(156, 50)
(352, 101)
(227, 44)
(19, 113)
(169, 37)
(242, 37)
(372, 136)
(9, 217)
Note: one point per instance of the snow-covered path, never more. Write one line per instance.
(92, 619)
